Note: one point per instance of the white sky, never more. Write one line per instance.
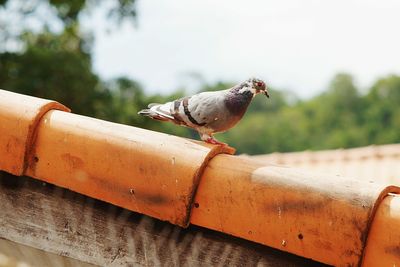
(294, 45)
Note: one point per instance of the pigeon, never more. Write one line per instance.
(209, 112)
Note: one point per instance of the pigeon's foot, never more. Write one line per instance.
(208, 138)
(214, 141)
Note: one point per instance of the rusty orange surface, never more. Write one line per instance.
(19, 116)
(324, 218)
(371, 163)
(144, 171)
(383, 246)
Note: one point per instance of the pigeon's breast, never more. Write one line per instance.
(237, 103)
(234, 108)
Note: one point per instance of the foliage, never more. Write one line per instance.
(58, 65)
(52, 66)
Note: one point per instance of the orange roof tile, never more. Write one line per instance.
(19, 116)
(323, 217)
(376, 163)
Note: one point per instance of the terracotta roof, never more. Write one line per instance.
(328, 218)
(377, 162)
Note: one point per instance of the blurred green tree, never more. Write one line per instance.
(382, 114)
(53, 66)
(337, 109)
(56, 63)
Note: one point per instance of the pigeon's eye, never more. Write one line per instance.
(259, 84)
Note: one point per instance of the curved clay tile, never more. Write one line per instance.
(323, 217)
(19, 116)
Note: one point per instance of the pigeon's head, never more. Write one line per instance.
(259, 86)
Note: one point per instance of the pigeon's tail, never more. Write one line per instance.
(157, 112)
(146, 112)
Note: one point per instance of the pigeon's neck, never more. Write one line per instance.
(244, 90)
(238, 99)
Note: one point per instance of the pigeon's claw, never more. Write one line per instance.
(208, 138)
(214, 141)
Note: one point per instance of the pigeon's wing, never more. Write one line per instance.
(194, 111)
(201, 109)
(176, 111)
(209, 109)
